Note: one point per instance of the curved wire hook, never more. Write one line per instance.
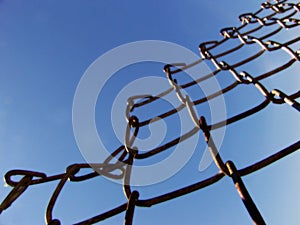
(8, 176)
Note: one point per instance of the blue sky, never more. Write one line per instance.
(46, 46)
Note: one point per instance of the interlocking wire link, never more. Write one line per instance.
(244, 194)
(280, 16)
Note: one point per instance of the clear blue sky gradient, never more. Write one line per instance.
(46, 46)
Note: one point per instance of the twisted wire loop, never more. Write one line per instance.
(278, 16)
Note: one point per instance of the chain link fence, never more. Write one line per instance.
(257, 29)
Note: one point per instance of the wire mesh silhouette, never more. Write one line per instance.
(270, 19)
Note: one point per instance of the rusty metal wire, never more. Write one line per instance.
(281, 15)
